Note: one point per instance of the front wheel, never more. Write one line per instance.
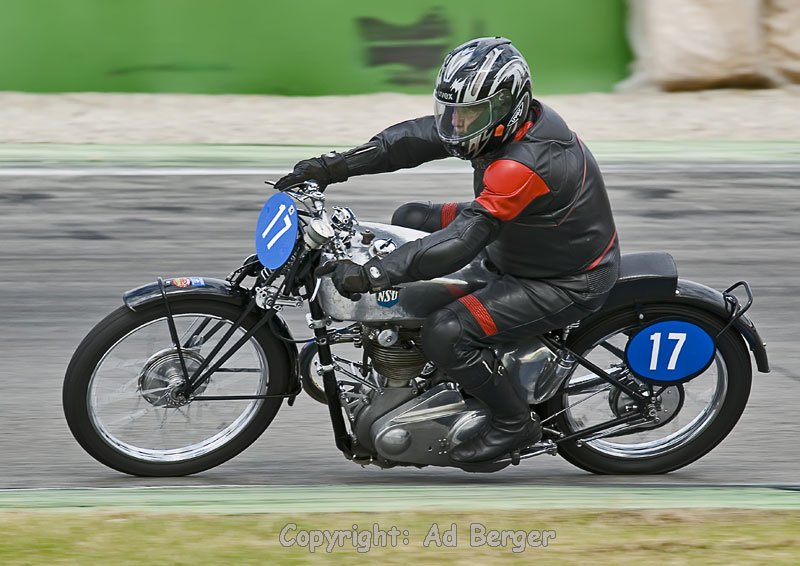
(122, 391)
(693, 417)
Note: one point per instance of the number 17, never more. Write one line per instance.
(673, 359)
(287, 225)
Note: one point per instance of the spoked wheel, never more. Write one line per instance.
(686, 420)
(123, 396)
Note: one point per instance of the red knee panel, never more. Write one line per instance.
(484, 318)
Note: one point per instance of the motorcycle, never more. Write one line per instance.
(191, 370)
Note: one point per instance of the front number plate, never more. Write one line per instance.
(276, 231)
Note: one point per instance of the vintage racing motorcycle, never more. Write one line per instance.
(190, 371)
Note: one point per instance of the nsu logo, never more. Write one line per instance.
(388, 298)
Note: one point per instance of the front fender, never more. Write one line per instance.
(696, 294)
(217, 289)
(182, 288)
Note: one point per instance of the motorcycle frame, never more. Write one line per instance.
(322, 338)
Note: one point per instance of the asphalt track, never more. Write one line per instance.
(74, 240)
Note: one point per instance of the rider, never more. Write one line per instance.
(540, 215)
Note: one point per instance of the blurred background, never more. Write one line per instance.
(357, 47)
(296, 48)
(609, 64)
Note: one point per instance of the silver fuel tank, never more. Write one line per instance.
(408, 303)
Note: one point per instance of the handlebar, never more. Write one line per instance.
(307, 186)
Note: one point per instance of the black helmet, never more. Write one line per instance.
(483, 93)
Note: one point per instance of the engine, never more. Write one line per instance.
(396, 354)
(410, 421)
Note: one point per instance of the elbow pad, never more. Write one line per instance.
(443, 252)
(427, 216)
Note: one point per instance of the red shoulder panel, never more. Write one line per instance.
(508, 187)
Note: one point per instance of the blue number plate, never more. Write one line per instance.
(669, 352)
(276, 231)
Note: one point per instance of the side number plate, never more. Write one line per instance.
(669, 352)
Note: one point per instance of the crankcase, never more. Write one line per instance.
(422, 430)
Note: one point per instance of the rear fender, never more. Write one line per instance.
(696, 294)
(705, 298)
(216, 289)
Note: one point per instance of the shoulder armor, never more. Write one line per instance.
(509, 187)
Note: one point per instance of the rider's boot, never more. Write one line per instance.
(510, 426)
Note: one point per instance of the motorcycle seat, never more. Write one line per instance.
(642, 276)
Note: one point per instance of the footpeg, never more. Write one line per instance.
(541, 447)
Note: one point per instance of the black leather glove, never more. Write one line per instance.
(350, 279)
(326, 169)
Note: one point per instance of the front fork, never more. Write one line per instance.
(194, 381)
(320, 326)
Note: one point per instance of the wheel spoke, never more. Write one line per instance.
(125, 396)
(613, 349)
(190, 338)
(573, 405)
(133, 366)
(126, 420)
(587, 384)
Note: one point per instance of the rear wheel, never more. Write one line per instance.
(693, 417)
(122, 391)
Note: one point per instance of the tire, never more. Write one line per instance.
(116, 393)
(643, 451)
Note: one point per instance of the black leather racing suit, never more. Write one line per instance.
(540, 211)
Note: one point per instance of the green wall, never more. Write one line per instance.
(308, 47)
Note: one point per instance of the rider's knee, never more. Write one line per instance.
(441, 335)
(412, 215)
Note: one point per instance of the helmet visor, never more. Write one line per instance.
(458, 122)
